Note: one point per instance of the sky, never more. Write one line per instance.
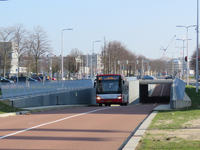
(143, 26)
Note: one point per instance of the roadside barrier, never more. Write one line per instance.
(30, 88)
(180, 88)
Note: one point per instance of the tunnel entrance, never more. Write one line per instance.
(160, 94)
(162, 100)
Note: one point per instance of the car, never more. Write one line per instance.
(43, 78)
(52, 78)
(4, 80)
(37, 78)
(32, 80)
(169, 77)
(24, 79)
(198, 78)
(148, 77)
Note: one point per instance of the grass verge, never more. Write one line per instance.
(177, 129)
(7, 109)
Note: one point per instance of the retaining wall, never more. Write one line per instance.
(81, 96)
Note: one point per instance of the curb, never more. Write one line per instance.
(135, 139)
(14, 113)
(40, 109)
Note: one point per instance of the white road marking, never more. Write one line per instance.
(2, 137)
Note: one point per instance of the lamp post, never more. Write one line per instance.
(62, 49)
(92, 69)
(197, 51)
(187, 51)
(172, 71)
(180, 62)
(183, 52)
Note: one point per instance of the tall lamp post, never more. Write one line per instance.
(92, 66)
(183, 53)
(187, 52)
(181, 64)
(62, 49)
(197, 51)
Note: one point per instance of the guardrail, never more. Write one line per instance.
(31, 88)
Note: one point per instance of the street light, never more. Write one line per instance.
(197, 50)
(172, 71)
(92, 69)
(187, 51)
(180, 62)
(62, 49)
(183, 53)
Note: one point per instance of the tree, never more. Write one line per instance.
(6, 37)
(19, 38)
(39, 44)
(114, 51)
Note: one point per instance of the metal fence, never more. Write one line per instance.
(31, 88)
(180, 88)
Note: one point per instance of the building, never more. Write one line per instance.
(11, 58)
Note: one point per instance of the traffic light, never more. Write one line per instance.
(185, 58)
(76, 71)
(198, 58)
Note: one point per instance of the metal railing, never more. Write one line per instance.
(31, 88)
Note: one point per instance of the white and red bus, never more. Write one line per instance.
(111, 89)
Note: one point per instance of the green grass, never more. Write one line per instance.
(6, 109)
(170, 121)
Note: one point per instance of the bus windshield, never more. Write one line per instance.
(108, 84)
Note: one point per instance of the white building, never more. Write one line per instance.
(12, 57)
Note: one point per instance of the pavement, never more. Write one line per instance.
(132, 141)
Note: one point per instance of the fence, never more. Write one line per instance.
(31, 88)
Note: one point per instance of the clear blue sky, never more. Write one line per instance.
(143, 26)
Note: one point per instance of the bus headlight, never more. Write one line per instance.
(98, 98)
(119, 97)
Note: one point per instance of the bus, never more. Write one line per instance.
(111, 89)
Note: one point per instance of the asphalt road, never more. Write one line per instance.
(85, 128)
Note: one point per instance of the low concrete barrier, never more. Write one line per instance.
(82, 96)
(178, 97)
(24, 95)
(31, 89)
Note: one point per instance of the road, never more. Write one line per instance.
(81, 128)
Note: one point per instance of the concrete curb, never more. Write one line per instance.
(45, 108)
(40, 109)
(14, 113)
(133, 142)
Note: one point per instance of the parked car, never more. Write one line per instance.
(169, 77)
(37, 78)
(24, 79)
(44, 78)
(147, 77)
(52, 78)
(2, 79)
(198, 78)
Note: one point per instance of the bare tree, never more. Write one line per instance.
(6, 37)
(39, 44)
(114, 51)
(72, 64)
(19, 38)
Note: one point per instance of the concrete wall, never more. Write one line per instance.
(82, 96)
(134, 92)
